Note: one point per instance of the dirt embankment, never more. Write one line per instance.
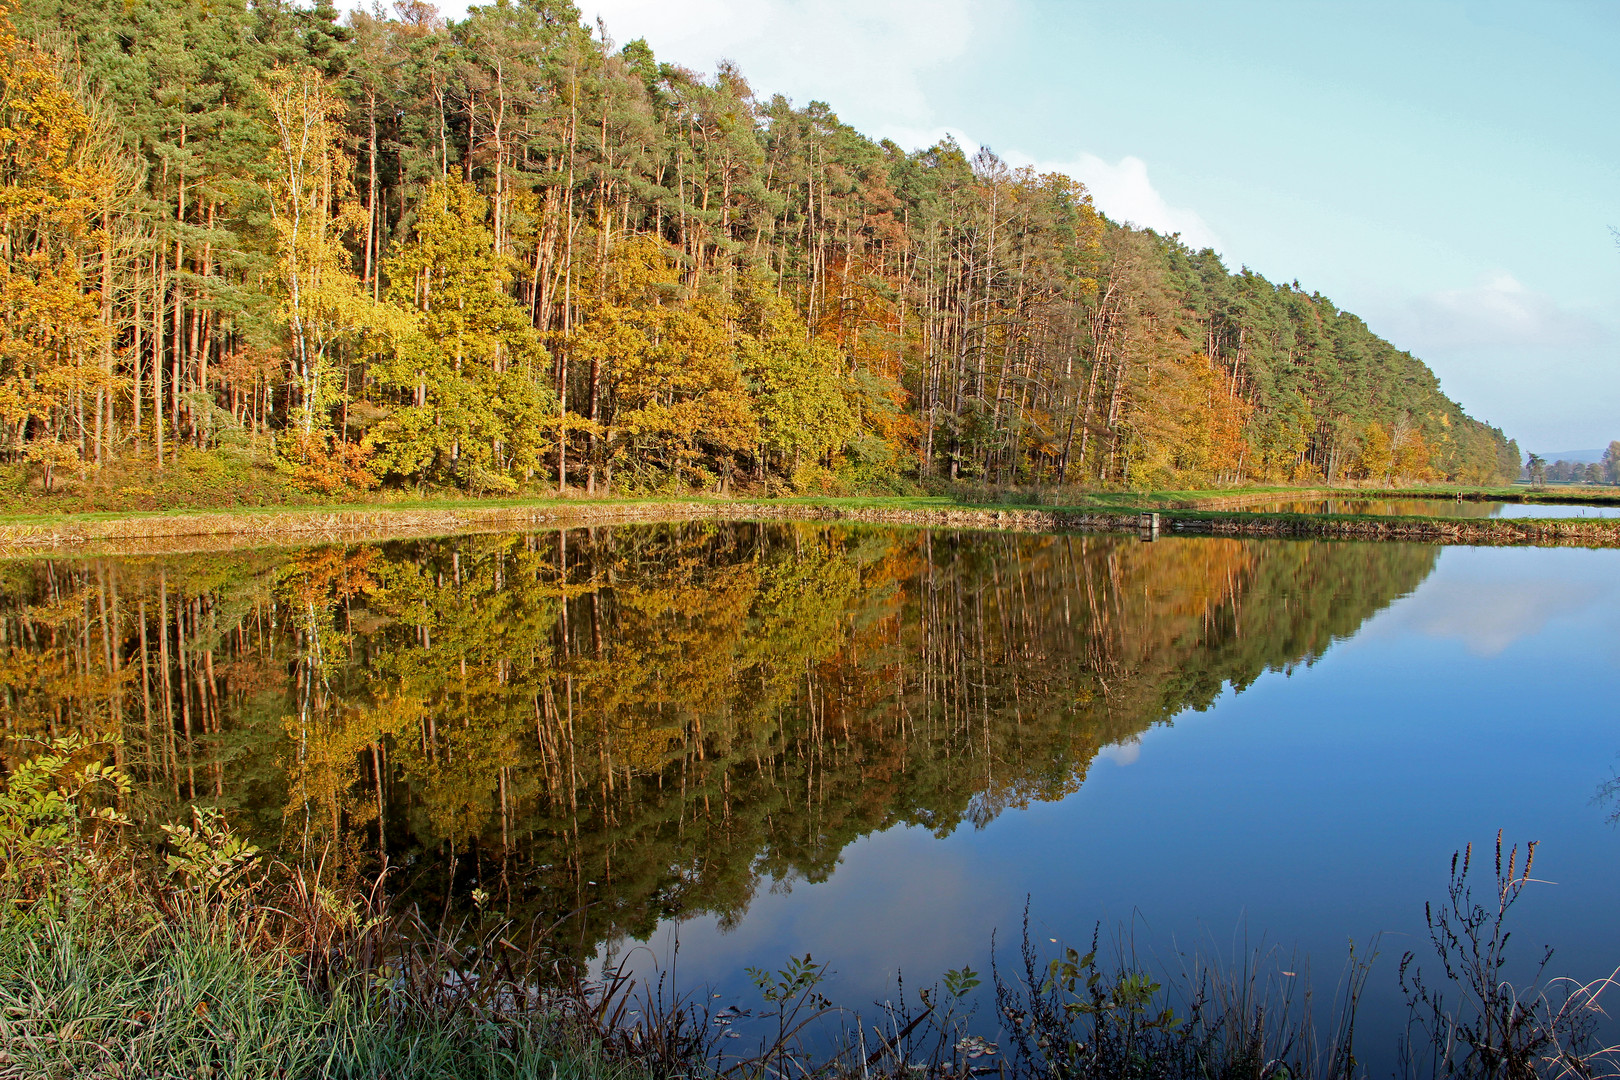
(1571, 532)
(230, 531)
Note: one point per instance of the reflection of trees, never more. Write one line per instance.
(636, 721)
(1449, 508)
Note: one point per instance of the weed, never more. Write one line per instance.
(1072, 1017)
(1496, 1030)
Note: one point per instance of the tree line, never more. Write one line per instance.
(1538, 470)
(507, 252)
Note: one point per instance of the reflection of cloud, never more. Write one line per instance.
(1125, 753)
(1496, 311)
(921, 901)
(1488, 617)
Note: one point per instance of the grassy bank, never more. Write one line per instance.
(206, 502)
(227, 530)
(195, 482)
(81, 998)
(1564, 532)
(190, 954)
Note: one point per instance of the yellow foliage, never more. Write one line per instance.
(1376, 455)
(1411, 457)
(312, 205)
(63, 178)
(1190, 428)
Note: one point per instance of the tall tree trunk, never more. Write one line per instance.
(157, 354)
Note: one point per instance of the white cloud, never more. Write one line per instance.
(1124, 192)
(870, 55)
(865, 55)
(867, 59)
(1121, 191)
(1495, 311)
(920, 138)
(843, 52)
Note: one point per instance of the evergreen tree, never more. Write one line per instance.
(668, 282)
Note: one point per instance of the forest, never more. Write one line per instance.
(655, 719)
(1538, 470)
(510, 254)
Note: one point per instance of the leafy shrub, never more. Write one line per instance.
(55, 810)
(321, 463)
(203, 964)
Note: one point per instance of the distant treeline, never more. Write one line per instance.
(1606, 471)
(507, 251)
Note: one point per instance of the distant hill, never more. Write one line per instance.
(1585, 457)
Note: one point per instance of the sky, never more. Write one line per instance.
(1449, 171)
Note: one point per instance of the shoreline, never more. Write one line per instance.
(179, 533)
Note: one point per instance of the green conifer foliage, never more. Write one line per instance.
(550, 261)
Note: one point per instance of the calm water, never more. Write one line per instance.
(873, 746)
(1434, 508)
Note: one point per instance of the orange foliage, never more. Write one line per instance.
(321, 462)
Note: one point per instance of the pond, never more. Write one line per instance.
(1449, 508)
(874, 746)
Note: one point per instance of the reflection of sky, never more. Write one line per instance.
(1313, 808)
(1489, 598)
(1555, 510)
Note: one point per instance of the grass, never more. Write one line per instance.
(119, 533)
(79, 998)
(198, 957)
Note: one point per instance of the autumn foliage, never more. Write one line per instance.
(505, 254)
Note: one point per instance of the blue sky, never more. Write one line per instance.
(1448, 171)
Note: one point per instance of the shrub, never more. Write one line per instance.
(321, 463)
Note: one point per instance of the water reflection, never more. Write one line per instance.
(613, 726)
